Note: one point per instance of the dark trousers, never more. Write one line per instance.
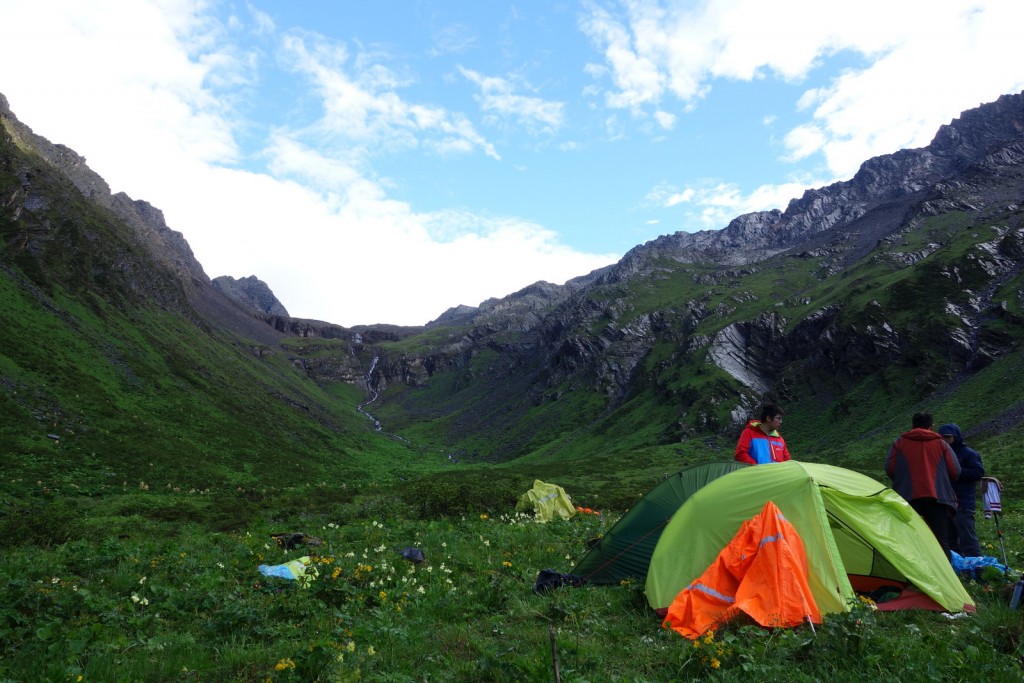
(967, 536)
(939, 518)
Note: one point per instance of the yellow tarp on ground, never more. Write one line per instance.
(546, 501)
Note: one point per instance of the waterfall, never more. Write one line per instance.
(373, 393)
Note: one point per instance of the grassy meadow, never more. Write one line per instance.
(166, 598)
(133, 540)
(149, 457)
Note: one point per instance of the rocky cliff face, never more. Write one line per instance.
(168, 246)
(158, 263)
(979, 135)
(252, 294)
(594, 333)
(913, 263)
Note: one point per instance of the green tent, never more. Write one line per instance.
(625, 550)
(855, 531)
(546, 501)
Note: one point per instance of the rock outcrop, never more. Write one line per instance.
(910, 267)
(252, 294)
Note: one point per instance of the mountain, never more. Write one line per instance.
(123, 365)
(864, 301)
(907, 275)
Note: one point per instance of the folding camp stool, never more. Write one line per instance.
(991, 490)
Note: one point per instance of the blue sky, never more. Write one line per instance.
(383, 161)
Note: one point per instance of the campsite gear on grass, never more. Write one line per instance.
(549, 578)
(991, 493)
(1017, 590)
(762, 573)
(857, 533)
(292, 541)
(414, 555)
(546, 501)
(301, 571)
(981, 568)
(624, 552)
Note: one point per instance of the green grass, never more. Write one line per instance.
(148, 456)
(191, 605)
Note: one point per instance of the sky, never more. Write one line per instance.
(381, 162)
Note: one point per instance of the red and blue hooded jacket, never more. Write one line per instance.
(756, 447)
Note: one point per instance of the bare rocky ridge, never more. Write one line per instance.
(569, 333)
(167, 247)
(251, 293)
(589, 333)
(987, 134)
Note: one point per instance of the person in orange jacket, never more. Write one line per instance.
(922, 468)
(760, 441)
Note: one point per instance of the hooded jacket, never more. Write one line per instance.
(971, 469)
(756, 447)
(922, 465)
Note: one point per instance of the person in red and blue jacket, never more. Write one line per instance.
(760, 441)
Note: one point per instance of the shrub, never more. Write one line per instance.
(43, 523)
(444, 495)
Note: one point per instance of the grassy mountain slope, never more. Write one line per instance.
(154, 436)
(890, 353)
(112, 381)
(123, 370)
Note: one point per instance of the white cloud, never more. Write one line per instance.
(130, 80)
(804, 141)
(923, 62)
(633, 62)
(363, 110)
(264, 22)
(453, 39)
(353, 255)
(497, 96)
(714, 204)
(143, 99)
(666, 120)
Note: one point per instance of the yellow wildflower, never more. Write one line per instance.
(715, 664)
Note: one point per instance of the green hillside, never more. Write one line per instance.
(155, 439)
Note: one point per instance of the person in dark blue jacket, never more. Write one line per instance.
(966, 489)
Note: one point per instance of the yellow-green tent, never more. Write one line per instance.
(853, 529)
(546, 500)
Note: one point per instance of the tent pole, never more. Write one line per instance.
(999, 535)
(554, 653)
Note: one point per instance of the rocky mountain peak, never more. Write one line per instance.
(252, 294)
(147, 222)
(964, 142)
